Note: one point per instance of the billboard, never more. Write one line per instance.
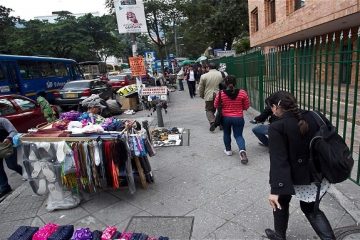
(130, 16)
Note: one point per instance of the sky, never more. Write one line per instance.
(28, 9)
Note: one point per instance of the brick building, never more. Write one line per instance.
(277, 22)
(283, 23)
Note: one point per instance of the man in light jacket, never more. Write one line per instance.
(209, 84)
(180, 78)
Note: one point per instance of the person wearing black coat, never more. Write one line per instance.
(290, 172)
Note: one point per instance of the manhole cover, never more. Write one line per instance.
(172, 227)
(348, 233)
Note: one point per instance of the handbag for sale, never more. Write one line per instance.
(6, 150)
(218, 115)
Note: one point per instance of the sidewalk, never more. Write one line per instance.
(227, 199)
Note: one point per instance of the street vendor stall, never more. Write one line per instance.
(83, 152)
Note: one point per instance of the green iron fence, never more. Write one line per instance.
(322, 72)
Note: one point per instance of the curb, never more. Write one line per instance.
(349, 206)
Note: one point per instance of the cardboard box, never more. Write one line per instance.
(129, 103)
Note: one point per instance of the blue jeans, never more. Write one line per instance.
(237, 125)
(12, 164)
(261, 132)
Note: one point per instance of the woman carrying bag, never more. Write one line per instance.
(233, 101)
(290, 170)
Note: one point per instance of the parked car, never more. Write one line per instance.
(75, 92)
(119, 81)
(24, 113)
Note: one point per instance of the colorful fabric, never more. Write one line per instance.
(45, 232)
(46, 109)
(108, 233)
(82, 234)
(70, 116)
(126, 235)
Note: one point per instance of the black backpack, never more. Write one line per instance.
(329, 154)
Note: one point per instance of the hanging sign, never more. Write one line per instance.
(130, 16)
(137, 66)
(154, 91)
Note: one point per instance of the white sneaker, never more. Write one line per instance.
(228, 153)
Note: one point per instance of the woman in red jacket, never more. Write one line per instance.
(234, 102)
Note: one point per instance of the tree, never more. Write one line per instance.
(7, 26)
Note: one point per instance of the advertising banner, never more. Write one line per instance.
(137, 66)
(130, 16)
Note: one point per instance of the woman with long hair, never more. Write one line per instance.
(290, 170)
(234, 101)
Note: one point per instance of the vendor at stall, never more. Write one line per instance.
(93, 106)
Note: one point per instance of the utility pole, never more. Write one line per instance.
(175, 40)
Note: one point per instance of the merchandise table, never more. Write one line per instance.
(63, 166)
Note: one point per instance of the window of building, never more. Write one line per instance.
(254, 20)
(298, 4)
(293, 5)
(270, 13)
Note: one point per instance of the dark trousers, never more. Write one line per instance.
(12, 164)
(315, 216)
(191, 85)
(181, 85)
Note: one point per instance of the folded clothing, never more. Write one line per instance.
(24, 233)
(96, 235)
(45, 232)
(82, 234)
(62, 233)
(108, 233)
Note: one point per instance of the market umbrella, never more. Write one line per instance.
(187, 62)
(202, 58)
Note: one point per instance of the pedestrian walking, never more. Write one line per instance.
(191, 78)
(180, 78)
(234, 101)
(290, 170)
(209, 84)
(261, 130)
(7, 132)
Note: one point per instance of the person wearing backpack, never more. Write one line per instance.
(290, 168)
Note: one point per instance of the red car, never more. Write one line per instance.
(119, 81)
(24, 113)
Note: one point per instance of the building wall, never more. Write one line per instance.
(314, 13)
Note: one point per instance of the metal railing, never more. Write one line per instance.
(322, 72)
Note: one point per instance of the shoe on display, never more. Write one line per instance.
(228, 153)
(5, 192)
(243, 157)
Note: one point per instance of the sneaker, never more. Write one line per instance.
(5, 192)
(243, 157)
(228, 153)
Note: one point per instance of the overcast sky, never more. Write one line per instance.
(28, 9)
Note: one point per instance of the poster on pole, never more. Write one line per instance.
(130, 16)
(137, 66)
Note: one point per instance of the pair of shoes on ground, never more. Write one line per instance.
(242, 154)
(5, 192)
